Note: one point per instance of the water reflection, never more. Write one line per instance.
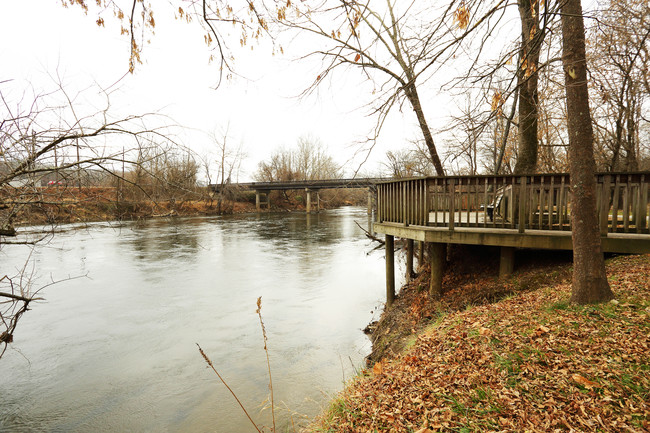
(150, 243)
(116, 351)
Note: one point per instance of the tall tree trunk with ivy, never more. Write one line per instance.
(589, 279)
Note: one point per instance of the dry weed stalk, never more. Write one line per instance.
(268, 362)
(268, 365)
(229, 389)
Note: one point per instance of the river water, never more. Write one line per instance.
(114, 350)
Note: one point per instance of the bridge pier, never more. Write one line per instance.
(308, 200)
(259, 202)
(370, 196)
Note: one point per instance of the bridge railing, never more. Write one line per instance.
(537, 202)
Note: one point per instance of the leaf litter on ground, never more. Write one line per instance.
(531, 362)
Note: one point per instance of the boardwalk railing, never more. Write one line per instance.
(537, 202)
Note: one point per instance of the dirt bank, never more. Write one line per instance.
(470, 279)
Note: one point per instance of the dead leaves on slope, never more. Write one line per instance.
(530, 363)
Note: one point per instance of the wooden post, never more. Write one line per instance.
(507, 261)
(523, 186)
(452, 204)
(604, 205)
(421, 257)
(437, 255)
(409, 259)
(308, 206)
(390, 270)
(258, 206)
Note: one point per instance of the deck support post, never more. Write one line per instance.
(437, 256)
(421, 254)
(507, 261)
(409, 259)
(370, 194)
(390, 270)
(317, 201)
(258, 207)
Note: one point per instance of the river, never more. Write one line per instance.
(113, 346)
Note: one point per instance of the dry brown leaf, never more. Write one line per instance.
(583, 381)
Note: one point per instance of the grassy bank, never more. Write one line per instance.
(517, 357)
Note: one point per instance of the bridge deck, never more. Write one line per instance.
(540, 239)
(303, 184)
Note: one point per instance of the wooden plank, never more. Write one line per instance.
(523, 187)
(604, 204)
(627, 191)
(485, 203)
(469, 199)
(645, 227)
(533, 203)
(617, 184)
(551, 204)
(561, 204)
(511, 204)
(569, 203)
(433, 191)
(540, 212)
(477, 199)
(403, 204)
(452, 203)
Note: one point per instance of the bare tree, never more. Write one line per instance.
(589, 279)
(532, 35)
(229, 159)
(618, 56)
(409, 162)
(309, 160)
(47, 145)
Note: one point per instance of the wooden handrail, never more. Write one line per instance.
(532, 202)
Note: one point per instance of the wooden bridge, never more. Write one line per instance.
(262, 189)
(506, 211)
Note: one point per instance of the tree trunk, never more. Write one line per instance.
(414, 99)
(589, 279)
(531, 38)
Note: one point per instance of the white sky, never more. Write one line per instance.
(41, 37)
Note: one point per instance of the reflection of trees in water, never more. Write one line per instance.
(299, 229)
(164, 240)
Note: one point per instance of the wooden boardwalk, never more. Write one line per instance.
(509, 212)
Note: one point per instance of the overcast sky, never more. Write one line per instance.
(41, 37)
